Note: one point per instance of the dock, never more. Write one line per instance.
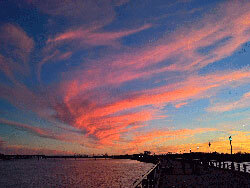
(194, 173)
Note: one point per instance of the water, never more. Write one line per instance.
(87, 173)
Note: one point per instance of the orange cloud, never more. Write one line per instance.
(188, 89)
(103, 121)
(82, 102)
(180, 104)
(159, 141)
(161, 136)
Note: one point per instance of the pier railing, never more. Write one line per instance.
(226, 165)
(148, 180)
(229, 165)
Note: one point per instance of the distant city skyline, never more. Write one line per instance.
(123, 77)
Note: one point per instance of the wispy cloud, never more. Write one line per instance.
(156, 139)
(15, 49)
(91, 37)
(118, 90)
(180, 104)
(25, 150)
(182, 46)
(14, 36)
(161, 136)
(1, 142)
(30, 129)
(86, 13)
(243, 102)
(102, 118)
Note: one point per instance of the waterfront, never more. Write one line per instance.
(100, 173)
(194, 173)
(172, 174)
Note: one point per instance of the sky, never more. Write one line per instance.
(124, 76)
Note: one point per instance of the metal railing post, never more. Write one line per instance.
(238, 167)
(244, 168)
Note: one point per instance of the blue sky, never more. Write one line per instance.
(124, 76)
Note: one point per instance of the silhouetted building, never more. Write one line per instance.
(147, 152)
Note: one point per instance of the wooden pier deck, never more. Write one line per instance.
(183, 173)
(172, 174)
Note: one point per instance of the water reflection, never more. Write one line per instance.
(71, 173)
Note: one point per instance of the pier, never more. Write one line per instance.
(172, 171)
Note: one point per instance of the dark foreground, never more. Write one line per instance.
(172, 174)
(185, 173)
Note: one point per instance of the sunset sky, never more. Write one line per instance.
(124, 76)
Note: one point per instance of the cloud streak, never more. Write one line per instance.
(28, 128)
(15, 50)
(94, 117)
(91, 37)
(91, 74)
(24, 150)
(243, 102)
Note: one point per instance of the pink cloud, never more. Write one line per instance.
(15, 48)
(13, 35)
(100, 113)
(6, 69)
(103, 120)
(180, 104)
(181, 45)
(154, 140)
(25, 150)
(160, 136)
(30, 129)
(24, 98)
(100, 120)
(243, 102)
(91, 37)
(1, 142)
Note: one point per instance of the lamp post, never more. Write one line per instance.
(209, 144)
(230, 139)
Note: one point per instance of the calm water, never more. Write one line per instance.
(71, 173)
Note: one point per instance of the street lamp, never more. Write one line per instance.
(230, 139)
